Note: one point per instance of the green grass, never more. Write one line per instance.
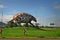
(17, 32)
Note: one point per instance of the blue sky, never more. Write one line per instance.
(45, 11)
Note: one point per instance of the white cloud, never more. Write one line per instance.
(6, 18)
(2, 6)
(47, 21)
(57, 6)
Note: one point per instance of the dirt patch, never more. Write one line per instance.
(30, 39)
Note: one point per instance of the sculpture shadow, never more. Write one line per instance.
(37, 27)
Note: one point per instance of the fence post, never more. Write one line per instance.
(1, 32)
(24, 30)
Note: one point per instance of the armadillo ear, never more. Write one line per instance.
(14, 17)
(21, 14)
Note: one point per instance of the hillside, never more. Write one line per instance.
(17, 32)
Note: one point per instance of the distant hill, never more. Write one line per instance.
(2, 24)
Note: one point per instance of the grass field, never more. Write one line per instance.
(17, 32)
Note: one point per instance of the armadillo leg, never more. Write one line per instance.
(32, 24)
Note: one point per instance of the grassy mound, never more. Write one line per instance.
(17, 32)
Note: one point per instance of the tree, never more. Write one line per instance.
(51, 23)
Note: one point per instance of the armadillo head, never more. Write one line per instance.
(34, 19)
